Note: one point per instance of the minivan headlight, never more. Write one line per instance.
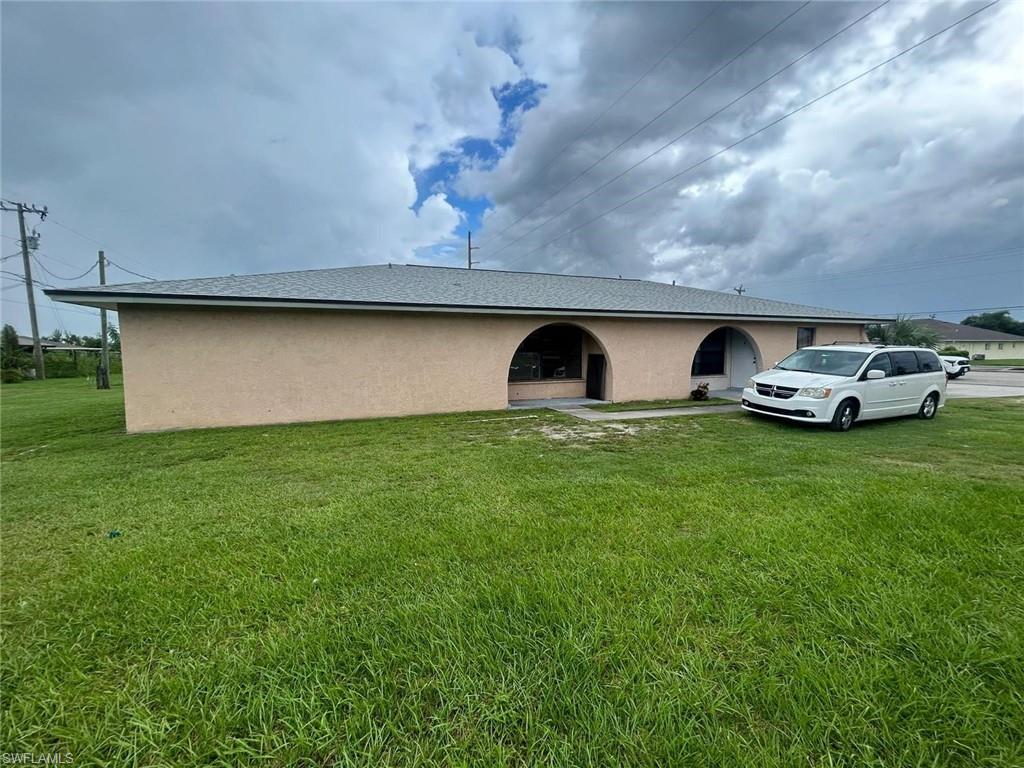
(750, 384)
(816, 393)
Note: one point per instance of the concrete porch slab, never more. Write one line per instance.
(554, 403)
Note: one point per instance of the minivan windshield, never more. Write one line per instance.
(835, 362)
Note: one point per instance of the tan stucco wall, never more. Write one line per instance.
(188, 367)
(1011, 350)
(537, 390)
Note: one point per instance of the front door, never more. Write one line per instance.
(595, 377)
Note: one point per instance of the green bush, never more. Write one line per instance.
(11, 376)
(954, 351)
(60, 365)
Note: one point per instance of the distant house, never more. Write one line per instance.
(977, 342)
(48, 345)
(392, 340)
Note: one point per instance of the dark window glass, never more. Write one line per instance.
(928, 362)
(804, 337)
(710, 357)
(832, 361)
(903, 363)
(525, 366)
(881, 363)
(551, 352)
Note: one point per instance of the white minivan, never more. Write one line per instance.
(843, 383)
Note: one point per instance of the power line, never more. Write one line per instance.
(950, 311)
(871, 271)
(23, 279)
(760, 130)
(66, 309)
(697, 125)
(630, 89)
(137, 274)
(643, 127)
(58, 277)
(74, 231)
(28, 243)
(607, 109)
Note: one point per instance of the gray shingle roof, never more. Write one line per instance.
(412, 286)
(955, 331)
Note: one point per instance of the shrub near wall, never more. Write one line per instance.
(954, 351)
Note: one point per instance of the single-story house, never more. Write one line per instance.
(26, 344)
(391, 340)
(979, 343)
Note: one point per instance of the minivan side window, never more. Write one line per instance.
(903, 363)
(880, 363)
(928, 362)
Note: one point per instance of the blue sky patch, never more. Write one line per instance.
(514, 99)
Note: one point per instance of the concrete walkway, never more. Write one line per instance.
(555, 403)
(655, 413)
(578, 407)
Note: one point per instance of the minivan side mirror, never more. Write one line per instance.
(874, 373)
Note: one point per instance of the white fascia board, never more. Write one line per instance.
(107, 302)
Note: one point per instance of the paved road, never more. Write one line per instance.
(982, 382)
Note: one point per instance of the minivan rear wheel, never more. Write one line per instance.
(929, 407)
(844, 416)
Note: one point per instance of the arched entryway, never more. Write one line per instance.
(559, 360)
(725, 359)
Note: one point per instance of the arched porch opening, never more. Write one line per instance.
(559, 361)
(725, 359)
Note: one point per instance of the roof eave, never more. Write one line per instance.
(111, 300)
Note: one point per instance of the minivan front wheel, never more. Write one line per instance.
(929, 407)
(843, 418)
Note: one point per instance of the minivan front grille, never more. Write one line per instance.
(780, 393)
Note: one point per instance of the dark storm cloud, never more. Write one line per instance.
(871, 183)
(197, 139)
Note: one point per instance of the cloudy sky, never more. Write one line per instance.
(193, 139)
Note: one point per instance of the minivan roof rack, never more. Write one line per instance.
(863, 343)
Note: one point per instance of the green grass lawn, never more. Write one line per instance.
(512, 589)
(647, 405)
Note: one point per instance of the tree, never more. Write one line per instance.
(11, 356)
(902, 332)
(114, 335)
(996, 321)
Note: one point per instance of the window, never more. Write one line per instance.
(903, 363)
(1000, 345)
(880, 363)
(804, 337)
(551, 352)
(987, 345)
(831, 361)
(710, 357)
(928, 362)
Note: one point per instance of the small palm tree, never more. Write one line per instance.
(903, 332)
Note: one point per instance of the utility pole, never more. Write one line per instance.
(103, 374)
(740, 290)
(469, 250)
(22, 209)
